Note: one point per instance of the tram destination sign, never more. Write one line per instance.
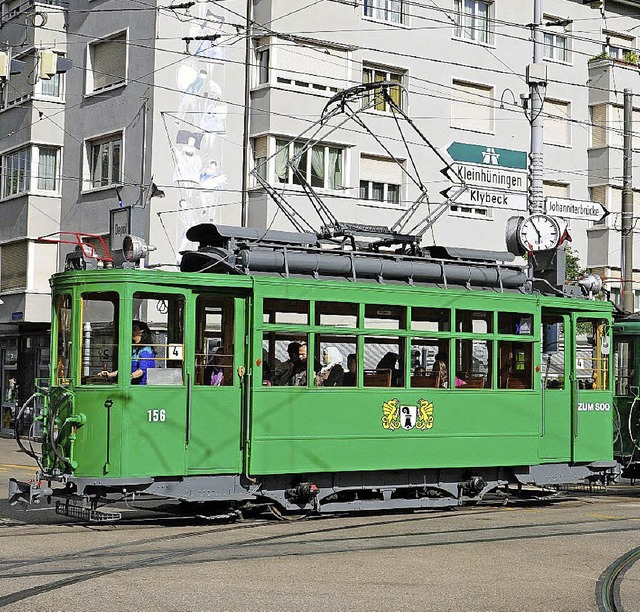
(575, 209)
(472, 196)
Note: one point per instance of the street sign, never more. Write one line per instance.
(491, 177)
(575, 209)
(488, 156)
(489, 167)
(472, 196)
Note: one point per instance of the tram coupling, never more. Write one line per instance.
(472, 486)
(28, 493)
(302, 493)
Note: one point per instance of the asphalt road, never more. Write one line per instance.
(490, 557)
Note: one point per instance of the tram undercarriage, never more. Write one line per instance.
(312, 493)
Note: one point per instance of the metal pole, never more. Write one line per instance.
(537, 88)
(626, 284)
(247, 101)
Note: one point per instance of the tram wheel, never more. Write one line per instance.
(287, 515)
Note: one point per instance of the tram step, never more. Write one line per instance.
(80, 510)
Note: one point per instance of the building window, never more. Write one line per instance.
(598, 125)
(321, 166)
(380, 180)
(385, 10)
(107, 63)
(260, 156)
(474, 20)
(307, 66)
(476, 212)
(53, 87)
(553, 189)
(472, 107)
(262, 60)
(105, 161)
(618, 45)
(375, 75)
(47, 169)
(557, 122)
(16, 172)
(556, 42)
(14, 259)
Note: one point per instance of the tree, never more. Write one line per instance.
(573, 270)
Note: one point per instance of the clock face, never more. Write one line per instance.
(539, 233)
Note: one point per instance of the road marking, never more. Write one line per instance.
(10, 521)
(16, 467)
(608, 517)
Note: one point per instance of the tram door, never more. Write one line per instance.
(216, 385)
(555, 441)
(592, 399)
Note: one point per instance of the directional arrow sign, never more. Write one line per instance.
(576, 209)
(473, 196)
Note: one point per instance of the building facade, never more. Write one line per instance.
(168, 107)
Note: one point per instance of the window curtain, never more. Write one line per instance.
(47, 169)
(282, 157)
(335, 168)
(317, 166)
(300, 163)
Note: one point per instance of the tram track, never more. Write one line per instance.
(279, 545)
(610, 581)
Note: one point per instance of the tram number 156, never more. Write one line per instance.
(157, 416)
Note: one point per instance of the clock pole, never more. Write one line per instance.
(626, 265)
(537, 81)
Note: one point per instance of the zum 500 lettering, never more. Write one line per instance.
(594, 406)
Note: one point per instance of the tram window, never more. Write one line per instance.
(476, 322)
(294, 312)
(515, 323)
(429, 363)
(63, 342)
(384, 317)
(163, 314)
(284, 360)
(431, 319)
(333, 367)
(214, 341)
(383, 362)
(337, 314)
(624, 366)
(592, 355)
(99, 345)
(473, 364)
(553, 354)
(515, 364)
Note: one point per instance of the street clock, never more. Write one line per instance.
(539, 232)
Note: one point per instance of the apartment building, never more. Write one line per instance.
(32, 120)
(151, 125)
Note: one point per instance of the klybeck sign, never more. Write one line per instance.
(490, 167)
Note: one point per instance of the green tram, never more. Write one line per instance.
(491, 384)
(626, 331)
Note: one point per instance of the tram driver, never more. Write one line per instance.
(143, 355)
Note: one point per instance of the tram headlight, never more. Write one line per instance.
(134, 249)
